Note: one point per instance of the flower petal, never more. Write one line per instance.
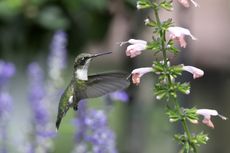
(138, 73)
(178, 33)
(197, 73)
(137, 41)
(185, 3)
(207, 113)
(208, 122)
(134, 50)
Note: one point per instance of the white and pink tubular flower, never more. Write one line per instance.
(138, 73)
(185, 3)
(136, 47)
(196, 72)
(207, 113)
(178, 33)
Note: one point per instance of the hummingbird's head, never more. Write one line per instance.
(81, 64)
(85, 58)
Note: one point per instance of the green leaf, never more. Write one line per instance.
(191, 115)
(171, 47)
(175, 71)
(199, 139)
(154, 45)
(166, 24)
(181, 138)
(143, 4)
(187, 147)
(150, 23)
(167, 5)
(183, 88)
(161, 91)
(174, 115)
(164, 90)
(158, 67)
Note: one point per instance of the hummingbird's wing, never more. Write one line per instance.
(101, 84)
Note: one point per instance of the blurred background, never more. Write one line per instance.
(39, 40)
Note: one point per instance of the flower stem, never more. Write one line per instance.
(177, 106)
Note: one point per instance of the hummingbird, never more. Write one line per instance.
(83, 86)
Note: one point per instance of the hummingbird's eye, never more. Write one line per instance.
(82, 61)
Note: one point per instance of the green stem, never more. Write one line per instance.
(185, 126)
(177, 106)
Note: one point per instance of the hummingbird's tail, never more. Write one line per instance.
(61, 113)
(58, 122)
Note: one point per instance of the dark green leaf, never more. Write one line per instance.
(167, 5)
(166, 24)
(143, 4)
(154, 45)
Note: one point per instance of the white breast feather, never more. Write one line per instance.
(82, 74)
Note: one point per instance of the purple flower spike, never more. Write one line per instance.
(40, 113)
(92, 128)
(47, 134)
(36, 82)
(103, 140)
(5, 104)
(80, 121)
(95, 119)
(37, 93)
(7, 70)
(57, 57)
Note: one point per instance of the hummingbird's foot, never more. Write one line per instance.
(75, 107)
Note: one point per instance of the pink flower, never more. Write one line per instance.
(136, 47)
(138, 73)
(207, 113)
(185, 3)
(178, 33)
(197, 73)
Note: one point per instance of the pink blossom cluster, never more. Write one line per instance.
(137, 46)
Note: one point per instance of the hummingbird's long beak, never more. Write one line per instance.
(100, 54)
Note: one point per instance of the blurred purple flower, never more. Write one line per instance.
(41, 116)
(37, 93)
(95, 119)
(103, 140)
(92, 127)
(5, 108)
(46, 134)
(57, 57)
(80, 121)
(119, 96)
(5, 104)
(7, 70)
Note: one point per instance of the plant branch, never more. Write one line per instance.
(177, 106)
